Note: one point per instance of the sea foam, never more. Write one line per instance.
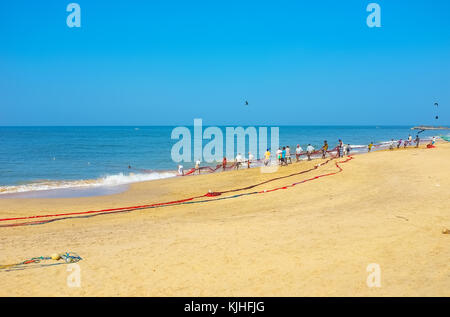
(109, 180)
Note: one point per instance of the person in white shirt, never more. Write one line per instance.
(309, 150)
(197, 166)
(288, 154)
(250, 159)
(392, 144)
(238, 160)
(298, 152)
(279, 151)
(180, 170)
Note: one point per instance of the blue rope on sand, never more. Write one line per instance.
(68, 257)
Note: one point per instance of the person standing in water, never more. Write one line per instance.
(349, 148)
(324, 148)
(309, 151)
(417, 141)
(267, 157)
(391, 144)
(369, 147)
(224, 163)
(288, 155)
(197, 166)
(298, 152)
(250, 159)
(238, 160)
(180, 170)
(279, 155)
(340, 148)
(283, 157)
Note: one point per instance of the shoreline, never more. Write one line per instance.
(94, 187)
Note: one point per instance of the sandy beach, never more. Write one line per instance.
(313, 239)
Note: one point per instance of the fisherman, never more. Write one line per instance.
(298, 152)
(324, 148)
(340, 148)
(391, 144)
(349, 148)
(197, 166)
(250, 159)
(288, 154)
(283, 157)
(267, 157)
(238, 160)
(279, 155)
(309, 151)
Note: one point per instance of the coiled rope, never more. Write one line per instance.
(67, 257)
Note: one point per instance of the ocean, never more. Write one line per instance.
(50, 158)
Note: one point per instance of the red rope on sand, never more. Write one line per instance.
(210, 194)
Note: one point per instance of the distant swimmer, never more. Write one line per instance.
(369, 147)
(324, 148)
(298, 152)
(246, 103)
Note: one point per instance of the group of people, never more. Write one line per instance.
(284, 156)
(408, 142)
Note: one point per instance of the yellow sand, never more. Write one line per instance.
(315, 239)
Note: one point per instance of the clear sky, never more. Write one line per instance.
(162, 62)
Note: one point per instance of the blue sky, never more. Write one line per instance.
(166, 62)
